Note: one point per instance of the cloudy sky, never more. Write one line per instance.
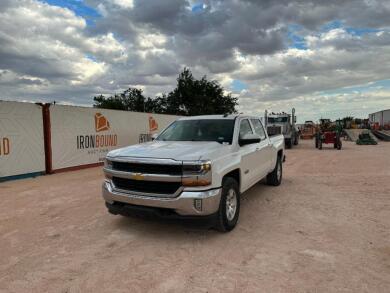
(326, 58)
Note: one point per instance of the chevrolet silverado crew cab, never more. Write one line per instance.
(196, 168)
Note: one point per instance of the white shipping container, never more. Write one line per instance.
(21, 139)
(386, 117)
(381, 117)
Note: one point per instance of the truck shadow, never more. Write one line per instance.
(165, 230)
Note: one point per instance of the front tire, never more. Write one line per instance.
(275, 177)
(229, 207)
(296, 140)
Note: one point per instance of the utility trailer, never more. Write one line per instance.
(308, 130)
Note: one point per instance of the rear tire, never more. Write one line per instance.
(275, 177)
(339, 143)
(229, 206)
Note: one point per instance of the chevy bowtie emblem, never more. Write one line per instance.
(138, 176)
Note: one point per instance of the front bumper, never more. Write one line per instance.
(184, 204)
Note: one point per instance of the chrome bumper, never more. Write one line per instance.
(183, 205)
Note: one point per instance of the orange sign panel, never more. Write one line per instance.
(4, 146)
(153, 125)
(101, 123)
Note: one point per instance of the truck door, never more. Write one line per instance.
(248, 157)
(264, 154)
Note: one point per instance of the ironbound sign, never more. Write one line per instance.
(21, 139)
(83, 136)
(37, 138)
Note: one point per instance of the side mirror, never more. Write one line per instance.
(249, 139)
(154, 136)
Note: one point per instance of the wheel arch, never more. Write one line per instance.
(280, 154)
(235, 174)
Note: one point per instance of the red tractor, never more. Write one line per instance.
(328, 133)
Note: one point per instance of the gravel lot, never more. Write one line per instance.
(325, 229)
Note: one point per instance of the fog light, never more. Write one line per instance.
(198, 204)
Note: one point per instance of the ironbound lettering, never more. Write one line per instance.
(96, 141)
(144, 137)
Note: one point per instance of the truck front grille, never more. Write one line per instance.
(274, 130)
(156, 187)
(148, 168)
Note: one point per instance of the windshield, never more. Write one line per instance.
(277, 119)
(219, 130)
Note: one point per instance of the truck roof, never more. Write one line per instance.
(278, 115)
(208, 117)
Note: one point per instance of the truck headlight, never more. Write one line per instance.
(196, 173)
(205, 167)
(196, 167)
(107, 164)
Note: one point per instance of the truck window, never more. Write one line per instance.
(258, 128)
(245, 128)
(219, 130)
(277, 119)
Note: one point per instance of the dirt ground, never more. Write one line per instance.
(325, 229)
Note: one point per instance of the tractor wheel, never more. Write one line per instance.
(339, 143)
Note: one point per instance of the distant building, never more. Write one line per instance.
(381, 117)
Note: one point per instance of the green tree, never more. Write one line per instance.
(157, 105)
(347, 121)
(190, 97)
(108, 103)
(131, 99)
(199, 97)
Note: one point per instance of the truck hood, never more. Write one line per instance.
(177, 150)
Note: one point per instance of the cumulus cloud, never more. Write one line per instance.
(288, 52)
(49, 43)
(334, 59)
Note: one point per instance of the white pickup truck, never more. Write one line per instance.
(196, 168)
